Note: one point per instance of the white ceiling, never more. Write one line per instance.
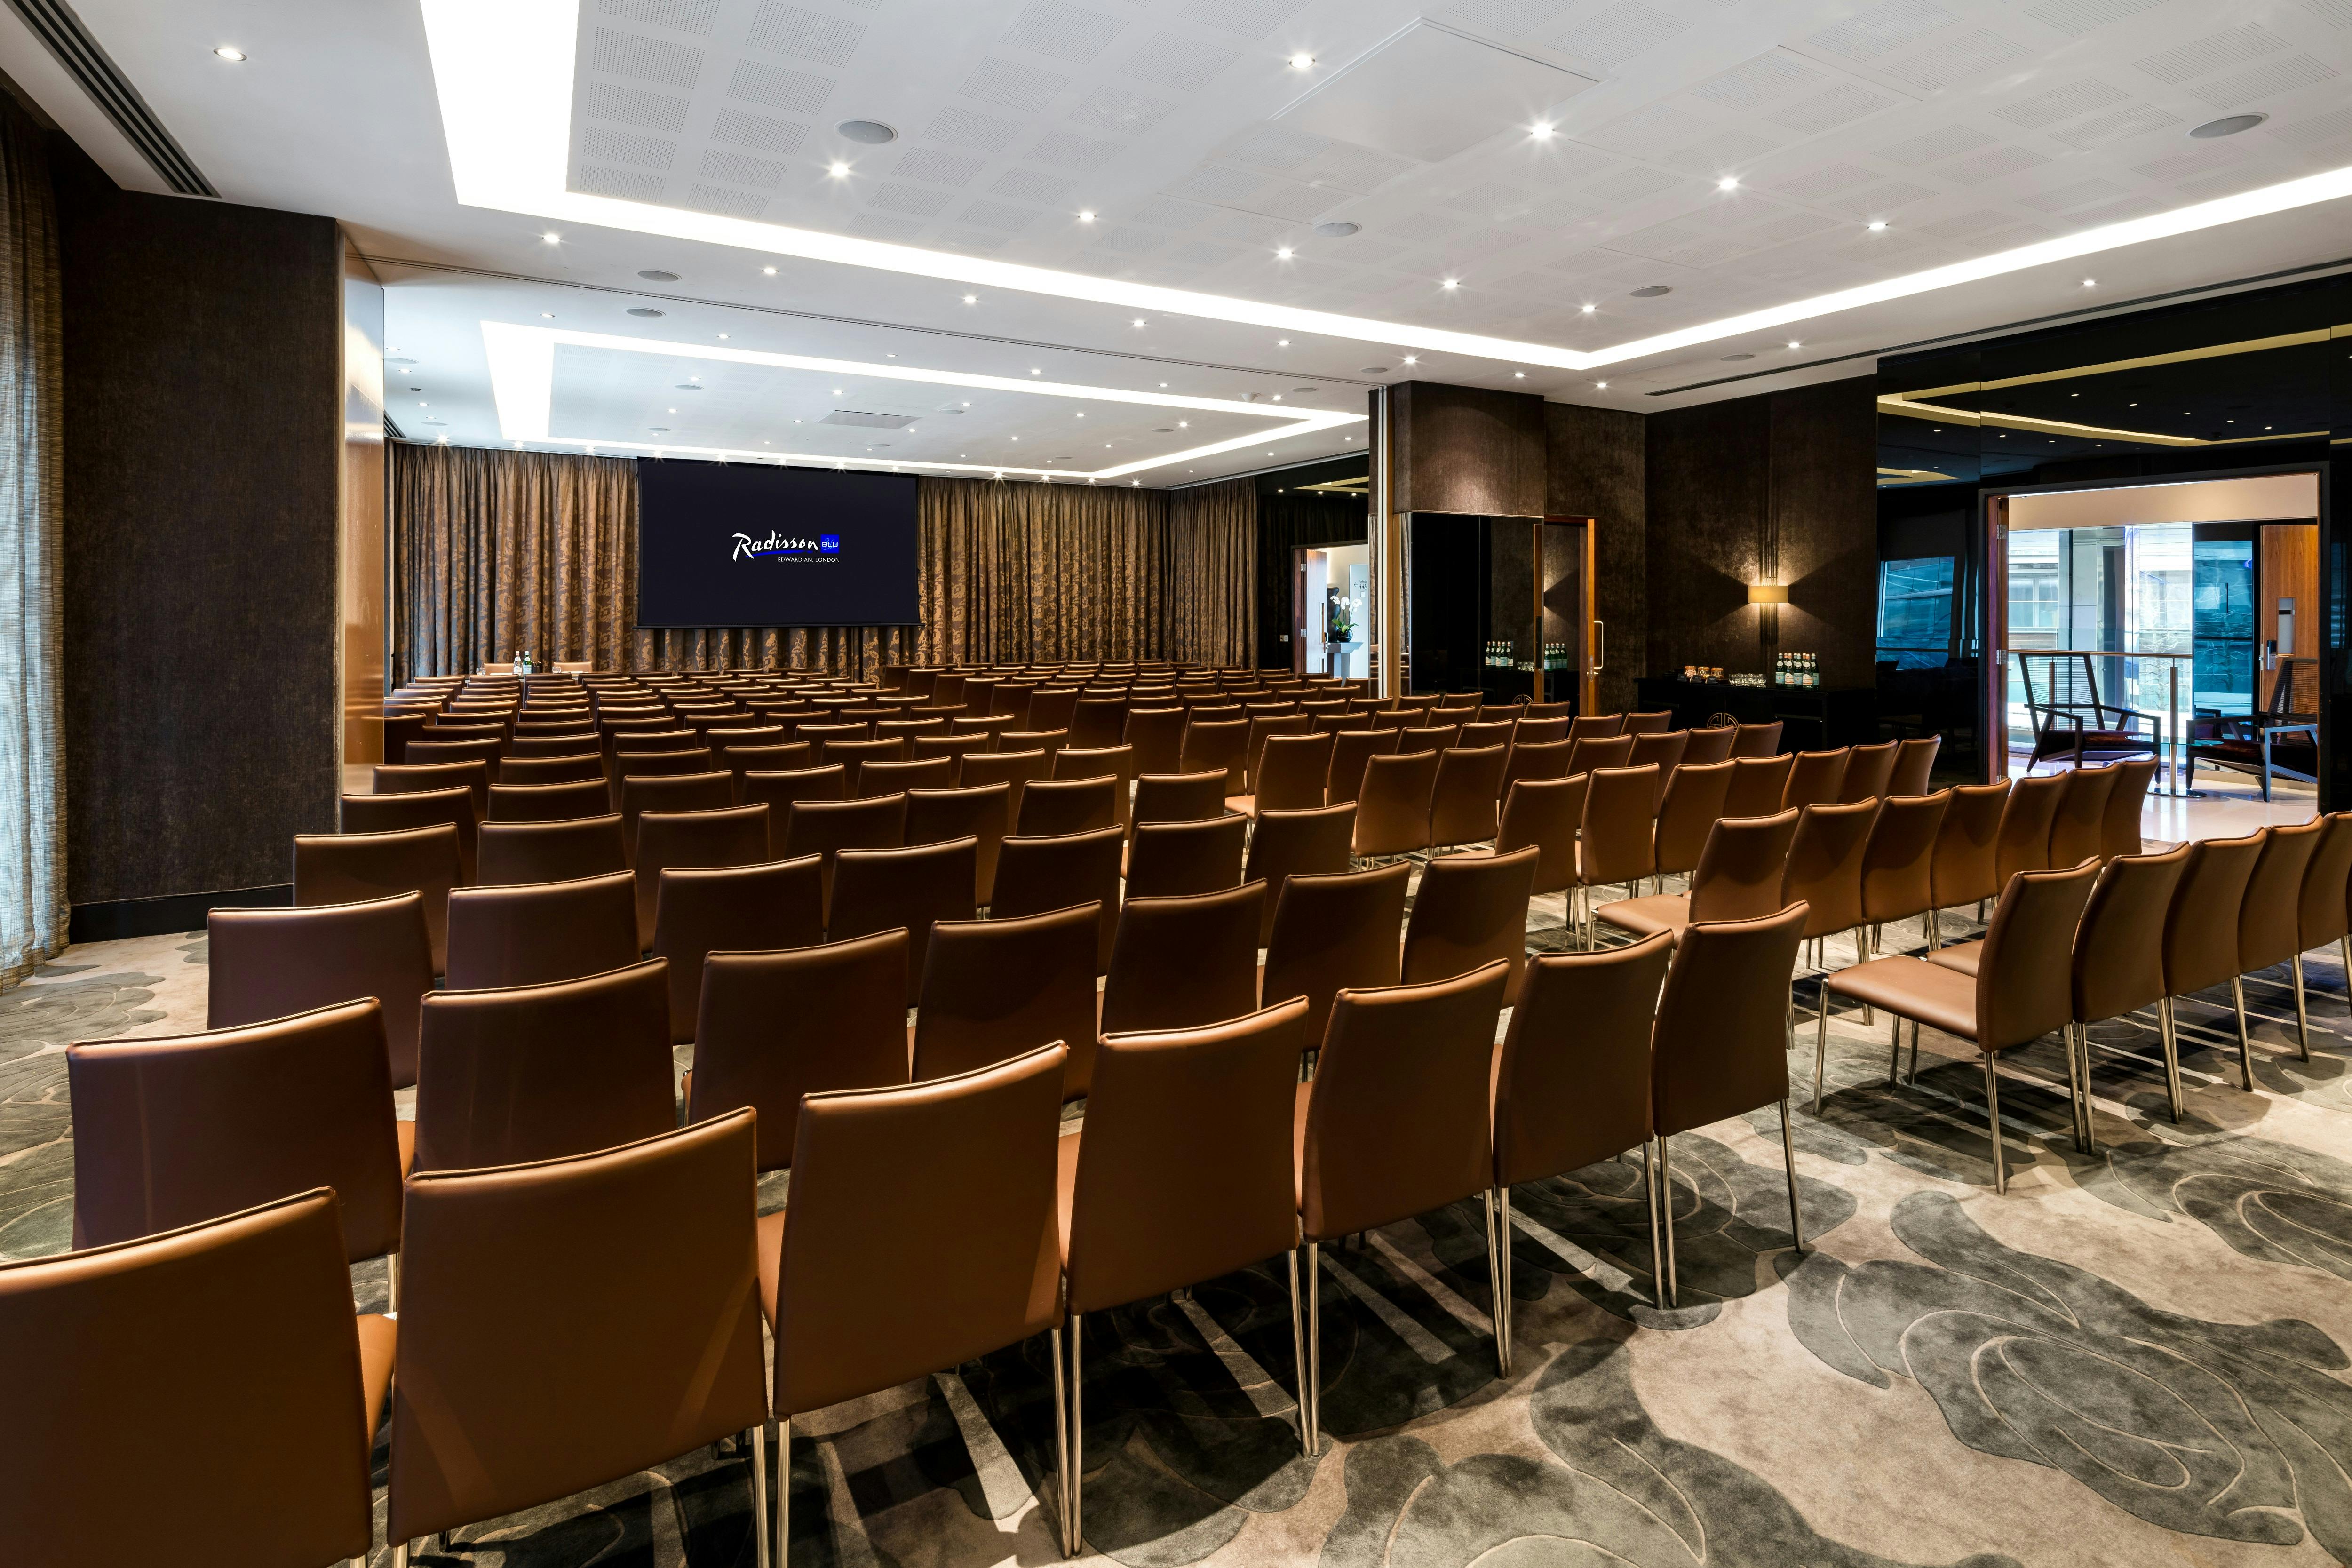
(1969, 127)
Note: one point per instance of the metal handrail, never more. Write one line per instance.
(2172, 697)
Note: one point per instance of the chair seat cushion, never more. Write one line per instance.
(1962, 956)
(1938, 997)
(1647, 917)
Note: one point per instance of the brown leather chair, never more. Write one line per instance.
(1470, 911)
(1664, 750)
(1099, 722)
(1656, 723)
(418, 809)
(1481, 733)
(518, 852)
(1157, 735)
(1572, 1079)
(2119, 832)
(1351, 751)
(778, 791)
(1899, 861)
(1825, 862)
(2023, 842)
(550, 802)
(2270, 918)
(978, 811)
(1531, 731)
(427, 751)
(1758, 784)
(882, 777)
(725, 836)
(1816, 779)
(1396, 1122)
(955, 747)
(357, 868)
(266, 963)
(1183, 1172)
(492, 1413)
(958, 1174)
(1181, 962)
(828, 826)
(1015, 769)
(1618, 842)
(1739, 875)
(237, 1333)
(1053, 708)
(172, 1130)
(1596, 726)
(1869, 771)
(882, 890)
(536, 1072)
(1717, 1050)
(672, 792)
(1964, 866)
(1466, 791)
(1535, 760)
(1038, 875)
(757, 908)
(538, 932)
(1171, 859)
(772, 1027)
(996, 989)
(1710, 745)
(1265, 724)
(1687, 812)
(1292, 843)
(855, 754)
(1393, 811)
(1914, 766)
(1070, 806)
(2323, 918)
(1178, 797)
(1290, 773)
(823, 736)
(1587, 752)
(571, 768)
(2201, 931)
(1548, 813)
(1101, 762)
(683, 758)
(785, 756)
(2119, 960)
(2022, 990)
(2078, 827)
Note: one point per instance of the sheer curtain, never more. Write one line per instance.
(33, 912)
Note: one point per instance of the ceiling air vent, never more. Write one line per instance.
(54, 24)
(869, 421)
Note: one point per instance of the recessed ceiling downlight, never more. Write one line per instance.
(1655, 290)
(2229, 125)
(643, 310)
(867, 132)
(655, 275)
(1338, 228)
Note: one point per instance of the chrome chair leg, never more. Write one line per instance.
(1076, 1468)
(1788, 1154)
(392, 1281)
(760, 1492)
(1494, 1291)
(1934, 930)
(2077, 1039)
(1510, 1305)
(1992, 1115)
(783, 1492)
(1666, 1191)
(1297, 1349)
(1914, 1051)
(400, 1554)
(1865, 946)
(1821, 1050)
(1313, 1348)
(1894, 1049)
(2165, 1031)
(1657, 1252)
(1061, 1447)
(2301, 1013)
(2245, 1045)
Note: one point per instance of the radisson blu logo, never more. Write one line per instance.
(785, 547)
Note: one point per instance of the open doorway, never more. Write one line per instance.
(1332, 606)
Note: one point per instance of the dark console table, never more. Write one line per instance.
(1812, 718)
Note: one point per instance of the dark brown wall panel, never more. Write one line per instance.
(1825, 516)
(1706, 483)
(1595, 468)
(203, 403)
(1464, 449)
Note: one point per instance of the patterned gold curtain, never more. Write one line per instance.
(33, 911)
(500, 549)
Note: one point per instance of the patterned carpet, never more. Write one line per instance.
(2133, 1359)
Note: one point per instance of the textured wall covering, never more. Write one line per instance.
(1213, 573)
(1467, 450)
(203, 429)
(1596, 469)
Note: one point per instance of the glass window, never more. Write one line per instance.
(1914, 612)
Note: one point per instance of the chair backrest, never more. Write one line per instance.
(1719, 1045)
(1470, 911)
(1098, 722)
(1588, 753)
(533, 933)
(1547, 814)
(491, 1414)
(1817, 778)
(425, 750)
(721, 836)
(882, 777)
(896, 1190)
(1465, 797)
(1619, 807)
(702, 791)
(1656, 723)
(1712, 744)
(1068, 806)
(1759, 783)
(1393, 811)
(175, 1130)
(1180, 963)
(1534, 732)
(778, 789)
(823, 736)
(1038, 875)
(1170, 859)
(1687, 811)
(2025, 984)
(759, 908)
(1572, 1079)
(1350, 751)
(2321, 913)
(1915, 765)
(880, 890)
(1742, 870)
(1179, 798)
(1663, 749)
(2201, 931)
(354, 867)
(1898, 862)
(1487, 732)
(1869, 772)
(826, 827)
(536, 1072)
(1266, 722)
(2268, 920)
(770, 1026)
(419, 808)
(1825, 863)
(1000, 988)
(261, 1359)
(1185, 1171)
(1965, 865)
(1291, 771)
(1157, 734)
(978, 811)
(784, 757)
(1398, 1115)
(2119, 948)
(517, 852)
(1293, 843)
(2078, 827)
(271, 964)
(566, 745)
(1430, 737)
(564, 802)
(1596, 726)
(855, 754)
(2024, 841)
(2119, 832)
(1013, 768)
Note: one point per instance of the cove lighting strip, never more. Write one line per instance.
(504, 71)
(523, 380)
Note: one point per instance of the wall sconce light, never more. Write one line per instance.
(1766, 594)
